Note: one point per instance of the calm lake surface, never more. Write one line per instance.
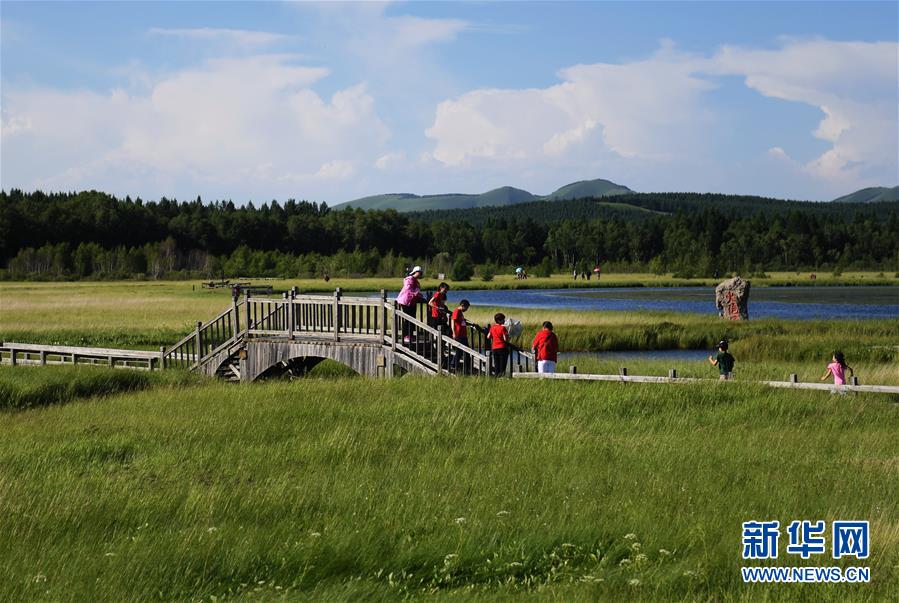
(764, 302)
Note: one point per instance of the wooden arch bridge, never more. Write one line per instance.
(264, 336)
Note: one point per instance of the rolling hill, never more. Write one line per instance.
(874, 194)
(498, 197)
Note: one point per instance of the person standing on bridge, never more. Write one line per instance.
(410, 295)
(437, 311)
(546, 349)
(460, 333)
(498, 336)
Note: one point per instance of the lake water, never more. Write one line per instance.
(764, 302)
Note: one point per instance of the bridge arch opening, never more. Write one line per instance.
(307, 366)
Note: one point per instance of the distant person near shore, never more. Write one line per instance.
(459, 327)
(437, 311)
(724, 361)
(838, 368)
(409, 296)
(546, 349)
(499, 345)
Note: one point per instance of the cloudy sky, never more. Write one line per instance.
(329, 102)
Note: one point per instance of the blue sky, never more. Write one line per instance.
(254, 101)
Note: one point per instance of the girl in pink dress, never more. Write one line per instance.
(838, 368)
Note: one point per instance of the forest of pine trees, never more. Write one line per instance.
(91, 234)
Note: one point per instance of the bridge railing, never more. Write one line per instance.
(328, 316)
(434, 348)
(206, 340)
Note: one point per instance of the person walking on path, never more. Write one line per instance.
(459, 328)
(499, 344)
(724, 361)
(546, 349)
(837, 368)
(409, 296)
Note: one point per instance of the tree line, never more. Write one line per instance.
(91, 234)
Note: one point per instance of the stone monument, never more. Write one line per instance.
(732, 299)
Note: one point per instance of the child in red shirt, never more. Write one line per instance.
(459, 327)
(437, 309)
(546, 349)
(499, 344)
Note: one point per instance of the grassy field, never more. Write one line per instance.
(479, 490)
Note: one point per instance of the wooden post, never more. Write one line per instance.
(246, 304)
(794, 378)
(162, 355)
(383, 313)
(672, 373)
(853, 380)
(395, 326)
(44, 359)
(337, 315)
(199, 337)
(111, 361)
(622, 371)
(74, 358)
(12, 356)
(291, 312)
(439, 352)
(236, 314)
(572, 370)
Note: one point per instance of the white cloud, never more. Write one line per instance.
(240, 37)
(644, 109)
(854, 84)
(230, 126)
(656, 111)
(390, 161)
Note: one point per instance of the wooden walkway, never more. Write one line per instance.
(258, 336)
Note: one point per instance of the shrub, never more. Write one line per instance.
(487, 272)
(463, 268)
(544, 268)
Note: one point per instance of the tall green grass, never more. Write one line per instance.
(27, 387)
(327, 490)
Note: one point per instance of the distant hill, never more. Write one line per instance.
(588, 189)
(870, 195)
(637, 207)
(498, 197)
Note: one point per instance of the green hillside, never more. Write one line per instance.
(588, 189)
(506, 195)
(873, 194)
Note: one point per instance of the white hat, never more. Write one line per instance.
(416, 269)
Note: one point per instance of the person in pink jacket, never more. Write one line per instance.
(409, 296)
(838, 368)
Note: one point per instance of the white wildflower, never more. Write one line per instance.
(624, 562)
(633, 582)
(640, 558)
(665, 552)
(39, 578)
(502, 513)
(636, 546)
(459, 521)
(212, 529)
(630, 536)
(315, 534)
